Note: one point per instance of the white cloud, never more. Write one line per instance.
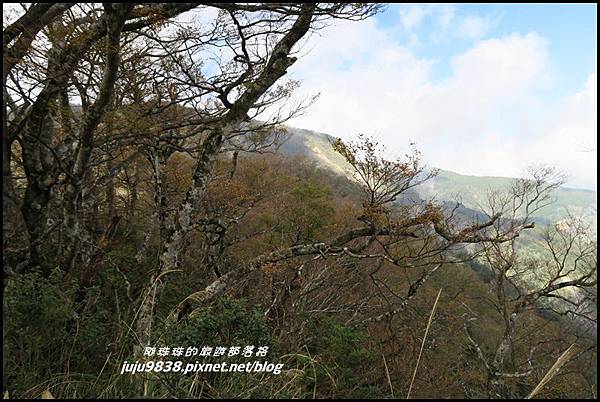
(445, 18)
(441, 23)
(488, 118)
(411, 16)
(446, 15)
(568, 136)
(473, 27)
(452, 25)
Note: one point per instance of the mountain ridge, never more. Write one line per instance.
(295, 130)
(447, 184)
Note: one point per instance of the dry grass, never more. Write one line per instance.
(387, 372)
(423, 343)
(562, 359)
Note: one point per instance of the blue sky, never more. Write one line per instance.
(482, 89)
(571, 30)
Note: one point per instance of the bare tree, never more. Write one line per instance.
(557, 281)
(417, 238)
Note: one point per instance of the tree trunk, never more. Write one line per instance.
(181, 223)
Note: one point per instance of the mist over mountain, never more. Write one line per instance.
(447, 187)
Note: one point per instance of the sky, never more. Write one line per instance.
(481, 89)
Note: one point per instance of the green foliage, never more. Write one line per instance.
(343, 360)
(76, 349)
(309, 210)
(225, 322)
(482, 270)
(37, 315)
(49, 339)
(125, 254)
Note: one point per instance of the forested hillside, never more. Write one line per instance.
(471, 191)
(159, 218)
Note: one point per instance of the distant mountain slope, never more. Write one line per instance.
(447, 186)
(316, 146)
(473, 190)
